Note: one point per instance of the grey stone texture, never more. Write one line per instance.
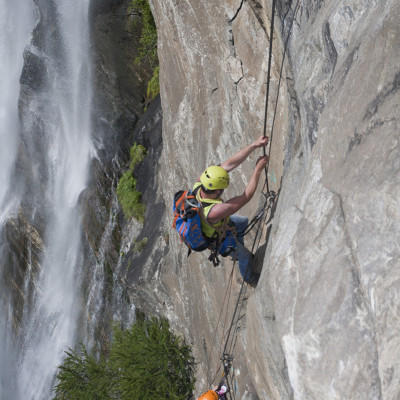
(323, 322)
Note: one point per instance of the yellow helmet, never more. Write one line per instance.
(209, 395)
(214, 178)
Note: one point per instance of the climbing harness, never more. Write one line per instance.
(227, 364)
(223, 241)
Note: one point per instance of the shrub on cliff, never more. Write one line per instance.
(128, 196)
(153, 87)
(137, 154)
(148, 38)
(145, 361)
(148, 43)
(82, 376)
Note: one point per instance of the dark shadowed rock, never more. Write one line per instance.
(34, 71)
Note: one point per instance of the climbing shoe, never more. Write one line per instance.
(253, 280)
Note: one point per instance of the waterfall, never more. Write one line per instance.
(55, 125)
(16, 23)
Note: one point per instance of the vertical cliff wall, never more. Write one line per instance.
(334, 259)
(323, 321)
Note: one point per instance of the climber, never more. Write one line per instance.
(218, 213)
(217, 393)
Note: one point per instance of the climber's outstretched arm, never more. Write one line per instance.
(241, 155)
(223, 210)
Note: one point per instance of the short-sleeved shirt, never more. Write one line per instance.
(208, 204)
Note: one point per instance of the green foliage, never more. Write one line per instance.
(82, 376)
(137, 153)
(153, 87)
(148, 44)
(129, 197)
(153, 363)
(138, 246)
(148, 39)
(145, 361)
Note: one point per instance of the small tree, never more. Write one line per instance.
(145, 361)
(82, 376)
(153, 363)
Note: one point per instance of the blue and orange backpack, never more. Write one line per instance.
(187, 220)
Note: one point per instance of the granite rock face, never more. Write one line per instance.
(335, 250)
(323, 321)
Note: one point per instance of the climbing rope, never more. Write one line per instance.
(230, 336)
(260, 218)
(227, 291)
(268, 82)
(256, 218)
(249, 269)
(280, 77)
(282, 64)
(269, 69)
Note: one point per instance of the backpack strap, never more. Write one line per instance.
(180, 207)
(220, 230)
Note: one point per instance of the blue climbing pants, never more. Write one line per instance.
(241, 254)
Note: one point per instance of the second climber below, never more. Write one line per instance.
(219, 213)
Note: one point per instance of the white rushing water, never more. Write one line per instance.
(16, 23)
(17, 19)
(50, 321)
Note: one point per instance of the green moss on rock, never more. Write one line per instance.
(153, 87)
(138, 245)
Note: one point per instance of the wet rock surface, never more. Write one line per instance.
(22, 249)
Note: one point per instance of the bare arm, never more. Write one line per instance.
(241, 155)
(223, 210)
